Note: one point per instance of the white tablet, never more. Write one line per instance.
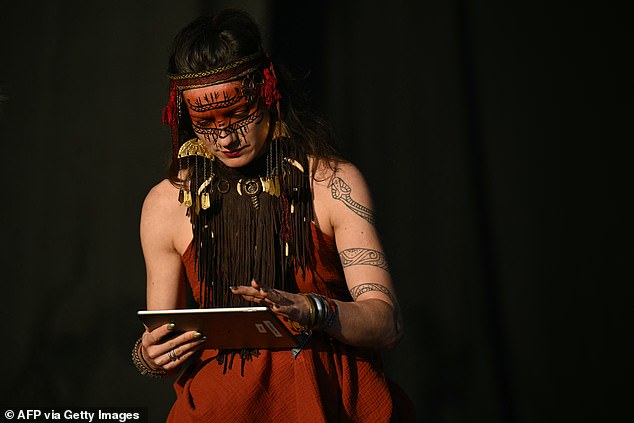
(227, 328)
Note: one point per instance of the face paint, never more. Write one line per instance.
(217, 100)
(240, 127)
(234, 128)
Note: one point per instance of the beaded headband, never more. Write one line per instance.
(226, 72)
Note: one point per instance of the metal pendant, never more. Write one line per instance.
(205, 201)
(187, 198)
(251, 187)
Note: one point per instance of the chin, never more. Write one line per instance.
(233, 163)
(237, 161)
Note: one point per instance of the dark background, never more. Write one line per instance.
(486, 130)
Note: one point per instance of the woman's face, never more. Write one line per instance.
(234, 128)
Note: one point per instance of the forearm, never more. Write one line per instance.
(369, 323)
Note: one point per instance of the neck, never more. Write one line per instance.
(255, 168)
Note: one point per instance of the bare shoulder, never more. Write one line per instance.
(163, 218)
(162, 199)
(340, 190)
(327, 170)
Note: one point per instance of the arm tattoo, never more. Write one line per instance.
(361, 289)
(341, 191)
(360, 256)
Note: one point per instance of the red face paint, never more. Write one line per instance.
(234, 128)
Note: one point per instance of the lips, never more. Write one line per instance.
(233, 153)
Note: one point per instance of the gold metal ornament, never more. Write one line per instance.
(251, 187)
(205, 199)
(294, 163)
(194, 147)
(187, 198)
(280, 130)
(223, 186)
(264, 183)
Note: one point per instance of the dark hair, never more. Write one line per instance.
(216, 40)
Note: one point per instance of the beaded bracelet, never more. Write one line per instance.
(141, 365)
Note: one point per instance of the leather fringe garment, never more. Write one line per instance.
(244, 236)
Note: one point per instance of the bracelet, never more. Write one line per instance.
(334, 310)
(311, 310)
(141, 365)
(322, 311)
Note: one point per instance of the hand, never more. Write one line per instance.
(162, 350)
(293, 306)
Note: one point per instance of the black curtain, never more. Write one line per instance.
(486, 131)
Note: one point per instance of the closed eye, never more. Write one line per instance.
(240, 113)
(204, 123)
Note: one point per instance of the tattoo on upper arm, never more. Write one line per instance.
(341, 191)
(363, 256)
(361, 289)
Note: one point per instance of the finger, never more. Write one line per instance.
(259, 300)
(289, 311)
(275, 296)
(180, 353)
(181, 359)
(183, 351)
(261, 294)
(253, 299)
(156, 335)
(280, 309)
(245, 290)
(248, 293)
(156, 350)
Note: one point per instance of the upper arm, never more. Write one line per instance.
(164, 268)
(351, 215)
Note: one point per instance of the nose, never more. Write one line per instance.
(226, 138)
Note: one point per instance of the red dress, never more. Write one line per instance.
(327, 382)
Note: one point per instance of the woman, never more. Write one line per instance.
(260, 209)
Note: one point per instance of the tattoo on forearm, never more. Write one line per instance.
(363, 256)
(367, 287)
(361, 289)
(341, 191)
